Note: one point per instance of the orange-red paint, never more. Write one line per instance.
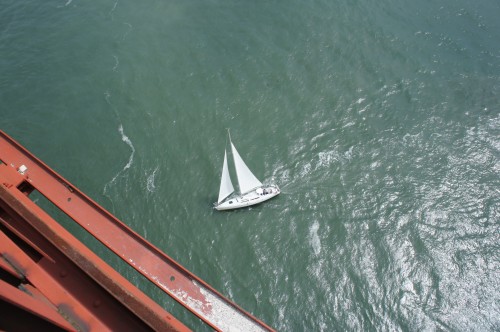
(72, 277)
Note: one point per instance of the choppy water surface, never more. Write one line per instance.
(380, 122)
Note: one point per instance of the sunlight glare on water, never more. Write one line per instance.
(379, 122)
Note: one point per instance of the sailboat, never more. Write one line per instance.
(251, 190)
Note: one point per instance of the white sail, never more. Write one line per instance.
(246, 180)
(226, 186)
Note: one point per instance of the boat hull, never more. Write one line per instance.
(256, 196)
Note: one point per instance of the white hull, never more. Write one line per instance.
(256, 196)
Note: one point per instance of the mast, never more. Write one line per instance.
(229, 134)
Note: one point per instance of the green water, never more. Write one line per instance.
(380, 121)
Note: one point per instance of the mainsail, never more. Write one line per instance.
(246, 180)
(226, 186)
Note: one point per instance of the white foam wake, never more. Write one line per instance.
(129, 143)
(125, 139)
(130, 159)
(117, 62)
(111, 12)
(150, 185)
(128, 31)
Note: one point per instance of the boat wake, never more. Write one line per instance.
(150, 185)
(127, 141)
(128, 31)
(111, 12)
(130, 159)
(117, 62)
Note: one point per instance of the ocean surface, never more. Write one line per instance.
(379, 120)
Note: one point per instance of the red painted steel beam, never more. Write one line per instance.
(91, 294)
(182, 285)
(4, 265)
(15, 297)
